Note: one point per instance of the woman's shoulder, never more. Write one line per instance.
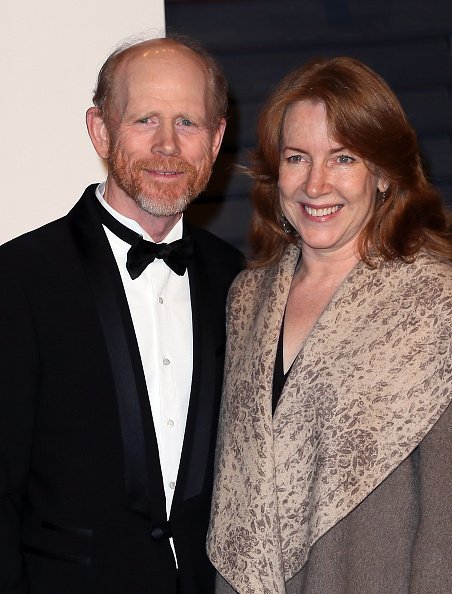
(246, 288)
(424, 285)
(252, 288)
(435, 263)
(424, 270)
(428, 270)
(255, 276)
(262, 276)
(249, 276)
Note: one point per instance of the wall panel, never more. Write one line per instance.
(50, 54)
(257, 41)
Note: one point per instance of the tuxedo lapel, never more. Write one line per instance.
(140, 450)
(133, 405)
(201, 413)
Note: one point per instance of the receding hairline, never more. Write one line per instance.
(131, 52)
(115, 66)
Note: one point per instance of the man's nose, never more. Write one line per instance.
(165, 139)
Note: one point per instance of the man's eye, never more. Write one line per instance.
(186, 122)
(144, 120)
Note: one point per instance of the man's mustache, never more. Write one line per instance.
(168, 164)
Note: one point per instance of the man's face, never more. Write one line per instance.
(161, 146)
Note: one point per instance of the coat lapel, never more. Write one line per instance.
(141, 458)
(245, 496)
(116, 323)
(202, 409)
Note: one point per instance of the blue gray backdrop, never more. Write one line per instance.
(409, 42)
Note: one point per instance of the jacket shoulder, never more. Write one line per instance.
(48, 241)
(33, 244)
(217, 251)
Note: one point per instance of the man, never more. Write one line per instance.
(112, 357)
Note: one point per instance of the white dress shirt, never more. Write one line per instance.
(160, 306)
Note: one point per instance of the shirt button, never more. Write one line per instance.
(160, 299)
(172, 485)
(166, 361)
(170, 423)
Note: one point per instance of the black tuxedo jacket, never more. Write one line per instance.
(81, 493)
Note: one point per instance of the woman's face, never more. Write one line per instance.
(327, 192)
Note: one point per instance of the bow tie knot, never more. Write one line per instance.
(176, 255)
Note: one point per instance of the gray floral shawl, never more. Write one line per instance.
(371, 380)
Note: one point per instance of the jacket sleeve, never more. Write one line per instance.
(432, 551)
(18, 377)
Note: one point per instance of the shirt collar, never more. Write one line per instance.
(174, 234)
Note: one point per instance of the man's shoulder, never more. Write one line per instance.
(33, 258)
(35, 239)
(47, 235)
(214, 247)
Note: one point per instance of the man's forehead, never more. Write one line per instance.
(170, 69)
(155, 53)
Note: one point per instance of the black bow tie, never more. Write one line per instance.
(176, 255)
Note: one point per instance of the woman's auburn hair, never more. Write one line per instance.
(366, 117)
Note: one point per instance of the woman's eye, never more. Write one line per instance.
(294, 159)
(344, 159)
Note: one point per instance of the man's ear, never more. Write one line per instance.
(98, 132)
(217, 137)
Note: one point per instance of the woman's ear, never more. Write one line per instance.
(383, 184)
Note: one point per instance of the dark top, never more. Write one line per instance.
(279, 377)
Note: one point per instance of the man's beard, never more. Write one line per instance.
(161, 199)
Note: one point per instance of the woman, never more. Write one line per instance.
(334, 459)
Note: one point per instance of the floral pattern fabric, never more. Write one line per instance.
(371, 380)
